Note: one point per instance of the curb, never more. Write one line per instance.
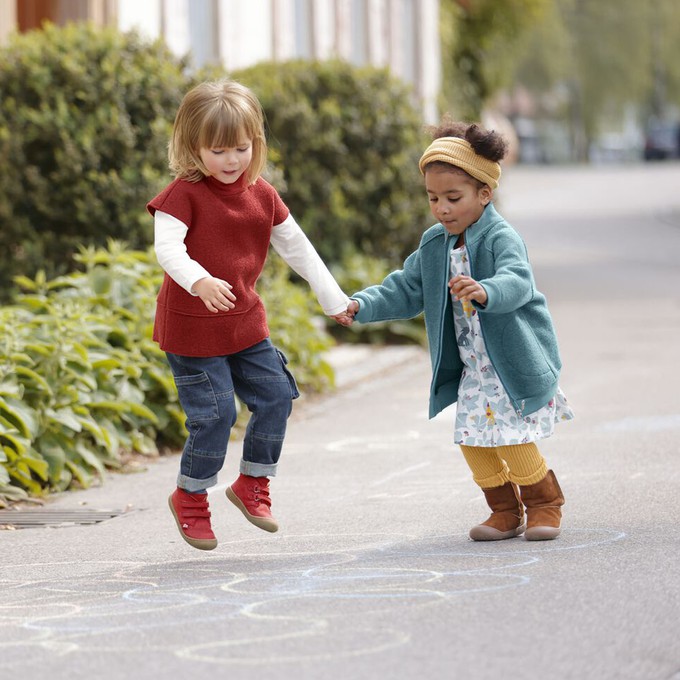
(355, 363)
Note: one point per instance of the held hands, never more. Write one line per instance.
(344, 319)
(353, 308)
(465, 289)
(215, 293)
(347, 318)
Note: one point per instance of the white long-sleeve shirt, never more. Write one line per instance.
(287, 239)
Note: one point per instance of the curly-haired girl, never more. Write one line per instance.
(492, 342)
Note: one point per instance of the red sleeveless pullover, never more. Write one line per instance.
(229, 229)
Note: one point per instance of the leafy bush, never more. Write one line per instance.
(347, 141)
(85, 116)
(82, 382)
(80, 378)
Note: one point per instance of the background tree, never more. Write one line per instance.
(482, 40)
(601, 59)
(606, 63)
(662, 23)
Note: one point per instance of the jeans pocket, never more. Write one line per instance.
(197, 396)
(294, 392)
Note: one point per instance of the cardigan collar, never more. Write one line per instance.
(477, 230)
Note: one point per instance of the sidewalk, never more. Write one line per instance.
(120, 492)
(353, 363)
(372, 572)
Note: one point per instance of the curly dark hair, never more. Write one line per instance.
(487, 143)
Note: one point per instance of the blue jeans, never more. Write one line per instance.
(207, 387)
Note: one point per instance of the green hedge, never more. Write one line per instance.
(347, 141)
(82, 383)
(85, 116)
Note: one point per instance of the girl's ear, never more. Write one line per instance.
(485, 194)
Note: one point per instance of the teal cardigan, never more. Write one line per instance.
(515, 321)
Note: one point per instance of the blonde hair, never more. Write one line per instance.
(212, 115)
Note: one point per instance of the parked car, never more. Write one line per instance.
(662, 140)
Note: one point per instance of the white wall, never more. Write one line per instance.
(400, 34)
(244, 32)
(145, 17)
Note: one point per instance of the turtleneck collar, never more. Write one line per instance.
(238, 187)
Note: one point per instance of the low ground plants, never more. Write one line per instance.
(82, 383)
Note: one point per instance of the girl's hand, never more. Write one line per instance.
(347, 318)
(344, 319)
(465, 289)
(215, 293)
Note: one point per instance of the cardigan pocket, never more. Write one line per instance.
(523, 354)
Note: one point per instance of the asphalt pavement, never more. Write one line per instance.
(372, 574)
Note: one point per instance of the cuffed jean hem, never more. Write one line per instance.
(191, 485)
(257, 469)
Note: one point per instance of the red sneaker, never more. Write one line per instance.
(251, 496)
(191, 513)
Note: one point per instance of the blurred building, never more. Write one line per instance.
(402, 35)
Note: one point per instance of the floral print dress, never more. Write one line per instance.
(485, 416)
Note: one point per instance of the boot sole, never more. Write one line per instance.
(485, 533)
(542, 533)
(265, 523)
(198, 543)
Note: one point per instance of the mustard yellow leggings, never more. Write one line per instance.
(522, 464)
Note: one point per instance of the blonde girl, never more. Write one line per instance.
(213, 227)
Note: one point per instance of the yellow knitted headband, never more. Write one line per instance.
(459, 152)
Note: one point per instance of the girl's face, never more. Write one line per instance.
(227, 164)
(455, 200)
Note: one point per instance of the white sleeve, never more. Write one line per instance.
(291, 243)
(171, 252)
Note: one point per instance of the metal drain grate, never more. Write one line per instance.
(27, 519)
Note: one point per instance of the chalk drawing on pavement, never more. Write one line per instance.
(274, 602)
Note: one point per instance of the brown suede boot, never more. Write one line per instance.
(543, 501)
(507, 516)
